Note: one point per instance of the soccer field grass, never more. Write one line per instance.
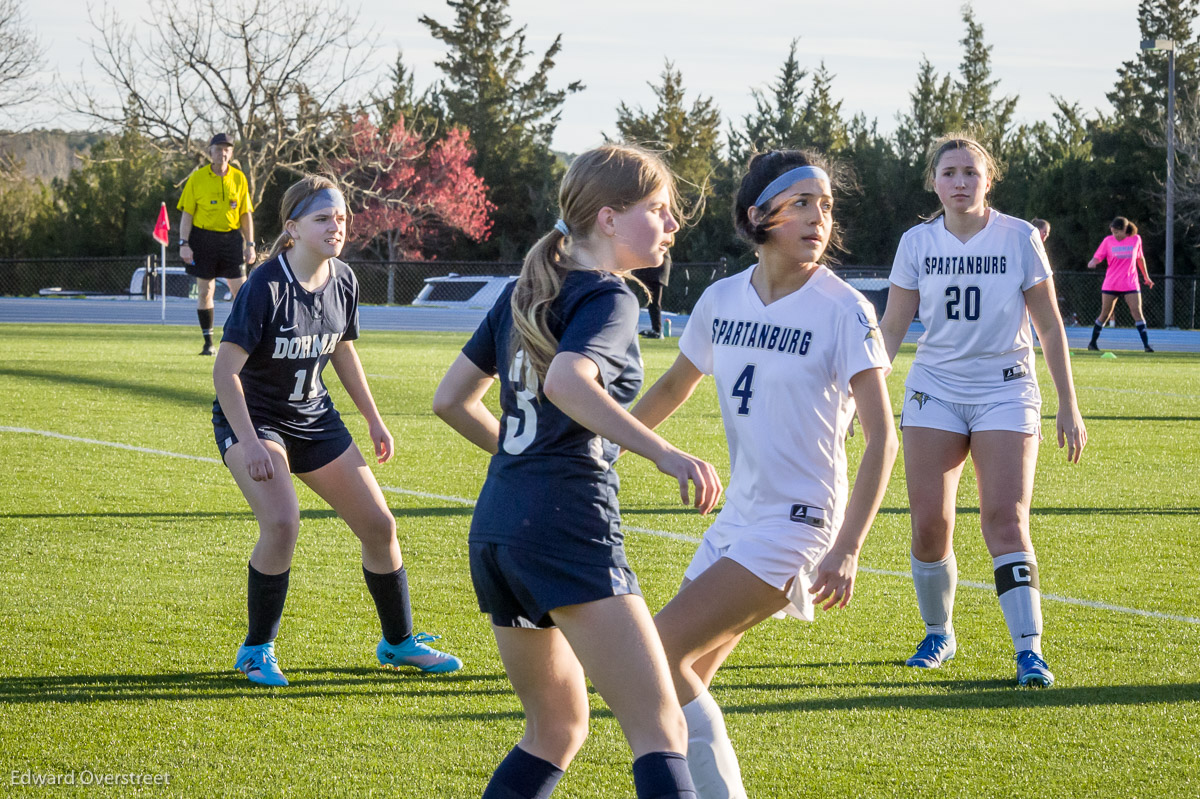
(123, 601)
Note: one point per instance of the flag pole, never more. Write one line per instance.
(162, 232)
(162, 268)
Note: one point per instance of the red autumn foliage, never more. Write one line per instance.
(407, 193)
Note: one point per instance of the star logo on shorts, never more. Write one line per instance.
(919, 397)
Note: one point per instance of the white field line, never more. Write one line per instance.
(1087, 603)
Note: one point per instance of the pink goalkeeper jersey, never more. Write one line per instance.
(1122, 257)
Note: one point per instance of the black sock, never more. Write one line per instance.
(522, 776)
(1096, 328)
(1141, 328)
(265, 596)
(390, 592)
(205, 315)
(663, 775)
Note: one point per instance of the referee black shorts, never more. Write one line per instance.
(216, 254)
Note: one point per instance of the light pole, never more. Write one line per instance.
(1169, 261)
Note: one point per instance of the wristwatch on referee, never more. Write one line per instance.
(183, 243)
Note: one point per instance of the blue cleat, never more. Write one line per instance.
(1032, 670)
(259, 664)
(414, 651)
(933, 651)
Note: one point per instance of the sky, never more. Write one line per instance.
(873, 48)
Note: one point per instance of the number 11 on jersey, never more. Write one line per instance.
(300, 392)
(743, 389)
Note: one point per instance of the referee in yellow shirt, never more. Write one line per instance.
(216, 232)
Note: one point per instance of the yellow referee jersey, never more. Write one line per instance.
(216, 203)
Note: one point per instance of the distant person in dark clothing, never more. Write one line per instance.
(655, 280)
(1043, 227)
(216, 231)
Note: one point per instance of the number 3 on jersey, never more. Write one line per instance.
(522, 426)
(743, 389)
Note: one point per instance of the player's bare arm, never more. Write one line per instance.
(228, 384)
(668, 393)
(902, 306)
(572, 385)
(1043, 311)
(834, 584)
(349, 370)
(458, 401)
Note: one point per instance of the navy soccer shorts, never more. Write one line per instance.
(519, 587)
(305, 454)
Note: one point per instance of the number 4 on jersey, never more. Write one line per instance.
(743, 389)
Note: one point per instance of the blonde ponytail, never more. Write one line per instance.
(615, 176)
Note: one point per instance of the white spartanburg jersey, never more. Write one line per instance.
(977, 346)
(783, 377)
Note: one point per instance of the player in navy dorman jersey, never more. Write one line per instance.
(547, 558)
(272, 416)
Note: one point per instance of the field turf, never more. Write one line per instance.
(122, 601)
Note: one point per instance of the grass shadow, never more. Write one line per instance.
(196, 400)
(969, 695)
(208, 685)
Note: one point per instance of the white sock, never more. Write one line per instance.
(1020, 598)
(711, 759)
(935, 583)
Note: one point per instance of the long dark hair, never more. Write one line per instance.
(764, 168)
(1121, 223)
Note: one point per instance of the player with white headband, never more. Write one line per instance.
(794, 350)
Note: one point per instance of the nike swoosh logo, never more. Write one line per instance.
(1029, 635)
(286, 329)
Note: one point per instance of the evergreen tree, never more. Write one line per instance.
(774, 123)
(933, 110)
(421, 111)
(109, 205)
(822, 126)
(1130, 146)
(880, 207)
(988, 118)
(690, 139)
(510, 115)
(26, 210)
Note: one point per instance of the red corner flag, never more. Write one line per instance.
(162, 228)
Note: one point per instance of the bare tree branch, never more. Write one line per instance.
(271, 73)
(20, 56)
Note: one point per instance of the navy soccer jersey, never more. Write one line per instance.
(289, 333)
(551, 486)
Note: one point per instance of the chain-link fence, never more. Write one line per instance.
(399, 282)
(380, 282)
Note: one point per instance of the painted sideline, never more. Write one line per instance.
(1087, 603)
